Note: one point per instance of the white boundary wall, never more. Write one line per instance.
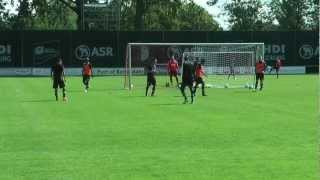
(112, 71)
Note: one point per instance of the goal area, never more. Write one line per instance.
(227, 65)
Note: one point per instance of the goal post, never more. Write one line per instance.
(217, 58)
(225, 69)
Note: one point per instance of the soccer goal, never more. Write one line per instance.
(227, 65)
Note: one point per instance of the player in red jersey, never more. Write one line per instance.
(199, 73)
(86, 74)
(277, 66)
(173, 69)
(260, 68)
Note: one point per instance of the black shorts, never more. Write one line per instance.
(58, 82)
(187, 82)
(277, 69)
(260, 76)
(86, 78)
(151, 80)
(173, 73)
(199, 80)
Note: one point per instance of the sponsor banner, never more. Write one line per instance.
(117, 71)
(5, 53)
(47, 71)
(84, 51)
(15, 72)
(137, 71)
(308, 54)
(46, 52)
(289, 70)
(73, 71)
(9, 54)
(274, 51)
(41, 71)
(100, 53)
(96, 71)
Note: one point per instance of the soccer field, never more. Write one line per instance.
(111, 133)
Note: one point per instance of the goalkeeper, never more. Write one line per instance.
(231, 71)
(187, 80)
(199, 73)
(151, 79)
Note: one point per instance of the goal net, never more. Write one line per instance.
(226, 64)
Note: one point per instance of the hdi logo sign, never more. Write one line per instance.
(5, 53)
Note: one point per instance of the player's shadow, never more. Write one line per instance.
(74, 91)
(243, 91)
(38, 100)
(141, 96)
(93, 90)
(166, 104)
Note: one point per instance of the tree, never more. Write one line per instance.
(127, 15)
(23, 20)
(244, 15)
(76, 7)
(312, 19)
(58, 16)
(135, 15)
(193, 17)
(291, 14)
(165, 15)
(4, 15)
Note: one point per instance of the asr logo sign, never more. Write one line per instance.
(307, 51)
(84, 51)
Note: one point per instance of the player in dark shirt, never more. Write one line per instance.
(58, 78)
(231, 71)
(195, 64)
(187, 79)
(151, 79)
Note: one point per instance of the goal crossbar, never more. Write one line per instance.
(220, 52)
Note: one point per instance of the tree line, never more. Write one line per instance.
(158, 15)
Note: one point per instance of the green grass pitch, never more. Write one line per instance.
(110, 133)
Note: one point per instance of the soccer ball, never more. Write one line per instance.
(209, 86)
(226, 86)
(131, 86)
(249, 86)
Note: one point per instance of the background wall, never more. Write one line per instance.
(107, 49)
